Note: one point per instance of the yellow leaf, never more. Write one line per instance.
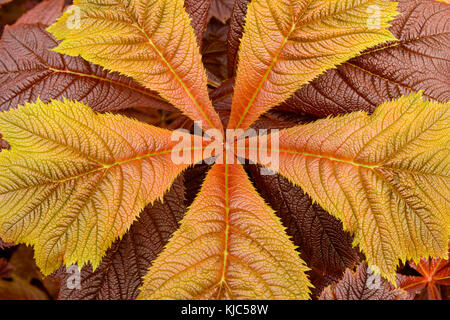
(385, 175)
(152, 42)
(288, 43)
(74, 181)
(230, 245)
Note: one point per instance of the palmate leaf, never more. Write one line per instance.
(119, 275)
(386, 176)
(230, 246)
(28, 69)
(74, 181)
(418, 60)
(288, 43)
(153, 43)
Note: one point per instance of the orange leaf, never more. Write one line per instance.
(152, 42)
(74, 181)
(230, 245)
(386, 176)
(288, 43)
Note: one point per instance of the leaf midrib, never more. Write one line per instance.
(105, 167)
(175, 74)
(266, 75)
(226, 238)
(92, 76)
(80, 74)
(275, 58)
(380, 165)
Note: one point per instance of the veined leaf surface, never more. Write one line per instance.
(432, 272)
(237, 22)
(386, 176)
(288, 43)
(418, 60)
(322, 242)
(198, 11)
(74, 181)
(221, 9)
(28, 69)
(225, 250)
(45, 12)
(153, 43)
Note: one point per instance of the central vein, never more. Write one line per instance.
(266, 75)
(172, 70)
(107, 166)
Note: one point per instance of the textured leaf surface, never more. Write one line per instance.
(198, 11)
(386, 176)
(224, 250)
(74, 181)
(28, 70)
(4, 244)
(433, 272)
(288, 43)
(153, 43)
(318, 235)
(418, 60)
(120, 273)
(360, 286)
(235, 33)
